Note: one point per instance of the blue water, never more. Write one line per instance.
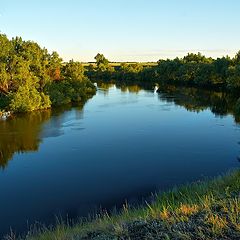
(120, 146)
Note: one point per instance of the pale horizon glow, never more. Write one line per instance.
(133, 30)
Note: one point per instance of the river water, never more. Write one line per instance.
(122, 145)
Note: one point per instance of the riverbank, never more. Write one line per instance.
(203, 210)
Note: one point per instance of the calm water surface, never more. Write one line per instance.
(122, 144)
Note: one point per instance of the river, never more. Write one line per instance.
(122, 145)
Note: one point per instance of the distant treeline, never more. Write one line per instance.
(191, 70)
(32, 78)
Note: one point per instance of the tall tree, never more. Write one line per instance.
(101, 62)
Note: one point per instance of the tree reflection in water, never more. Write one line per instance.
(220, 103)
(21, 134)
(24, 133)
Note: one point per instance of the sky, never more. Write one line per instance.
(125, 30)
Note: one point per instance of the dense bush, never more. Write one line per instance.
(28, 99)
(4, 101)
(69, 91)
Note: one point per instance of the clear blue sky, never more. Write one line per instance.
(134, 30)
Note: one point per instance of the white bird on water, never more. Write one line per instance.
(155, 89)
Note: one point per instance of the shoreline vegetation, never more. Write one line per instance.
(208, 209)
(194, 70)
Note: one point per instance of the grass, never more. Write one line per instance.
(203, 210)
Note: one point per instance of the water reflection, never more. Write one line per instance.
(104, 87)
(131, 88)
(123, 87)
(24, 133)
(220, 103)
(21, 134)
(196, 100)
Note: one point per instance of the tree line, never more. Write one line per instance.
(31, 78)
(191, 70)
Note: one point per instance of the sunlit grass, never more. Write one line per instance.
(203, 210)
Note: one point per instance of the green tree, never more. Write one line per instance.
(196, 58)
(233, 80)
(74, 71)
(27, 71)
(101, 62)
(236, 58)
(27, 99)
(54, 66)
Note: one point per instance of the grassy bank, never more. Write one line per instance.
(202, 210)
